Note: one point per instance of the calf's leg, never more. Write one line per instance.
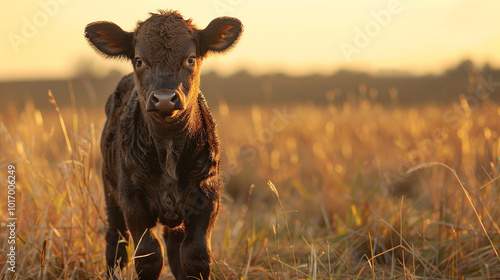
(173, 239)
(148, 255)
(116, 238)
(196, 250)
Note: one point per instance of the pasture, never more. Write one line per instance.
(358, 190)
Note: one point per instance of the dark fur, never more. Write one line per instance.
(157, 167)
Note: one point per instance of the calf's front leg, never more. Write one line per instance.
(196, 248)
(148, 257)
(173, 239)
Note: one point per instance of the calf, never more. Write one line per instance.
(160, 144)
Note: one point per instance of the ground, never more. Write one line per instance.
(332, 191)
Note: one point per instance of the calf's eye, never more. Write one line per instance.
(191, 59)
(138, 62)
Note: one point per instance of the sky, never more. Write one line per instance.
(43, 39)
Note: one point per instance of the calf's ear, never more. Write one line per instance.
(110, 39)
(220, 34)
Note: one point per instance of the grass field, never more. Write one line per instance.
(354, 191)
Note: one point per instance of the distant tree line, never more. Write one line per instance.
(242, 88)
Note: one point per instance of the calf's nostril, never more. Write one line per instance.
(174, 98)
(155, 99)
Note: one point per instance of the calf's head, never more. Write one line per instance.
(166, 52)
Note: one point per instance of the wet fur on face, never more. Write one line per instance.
(165, 37)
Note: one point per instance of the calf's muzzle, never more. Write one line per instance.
(165, 101)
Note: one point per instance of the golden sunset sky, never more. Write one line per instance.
(44, 38)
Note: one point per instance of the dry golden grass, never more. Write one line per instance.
(323, 194)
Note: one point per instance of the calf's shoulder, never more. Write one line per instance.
(120, 96)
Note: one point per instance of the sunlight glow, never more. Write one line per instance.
(44, 38)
